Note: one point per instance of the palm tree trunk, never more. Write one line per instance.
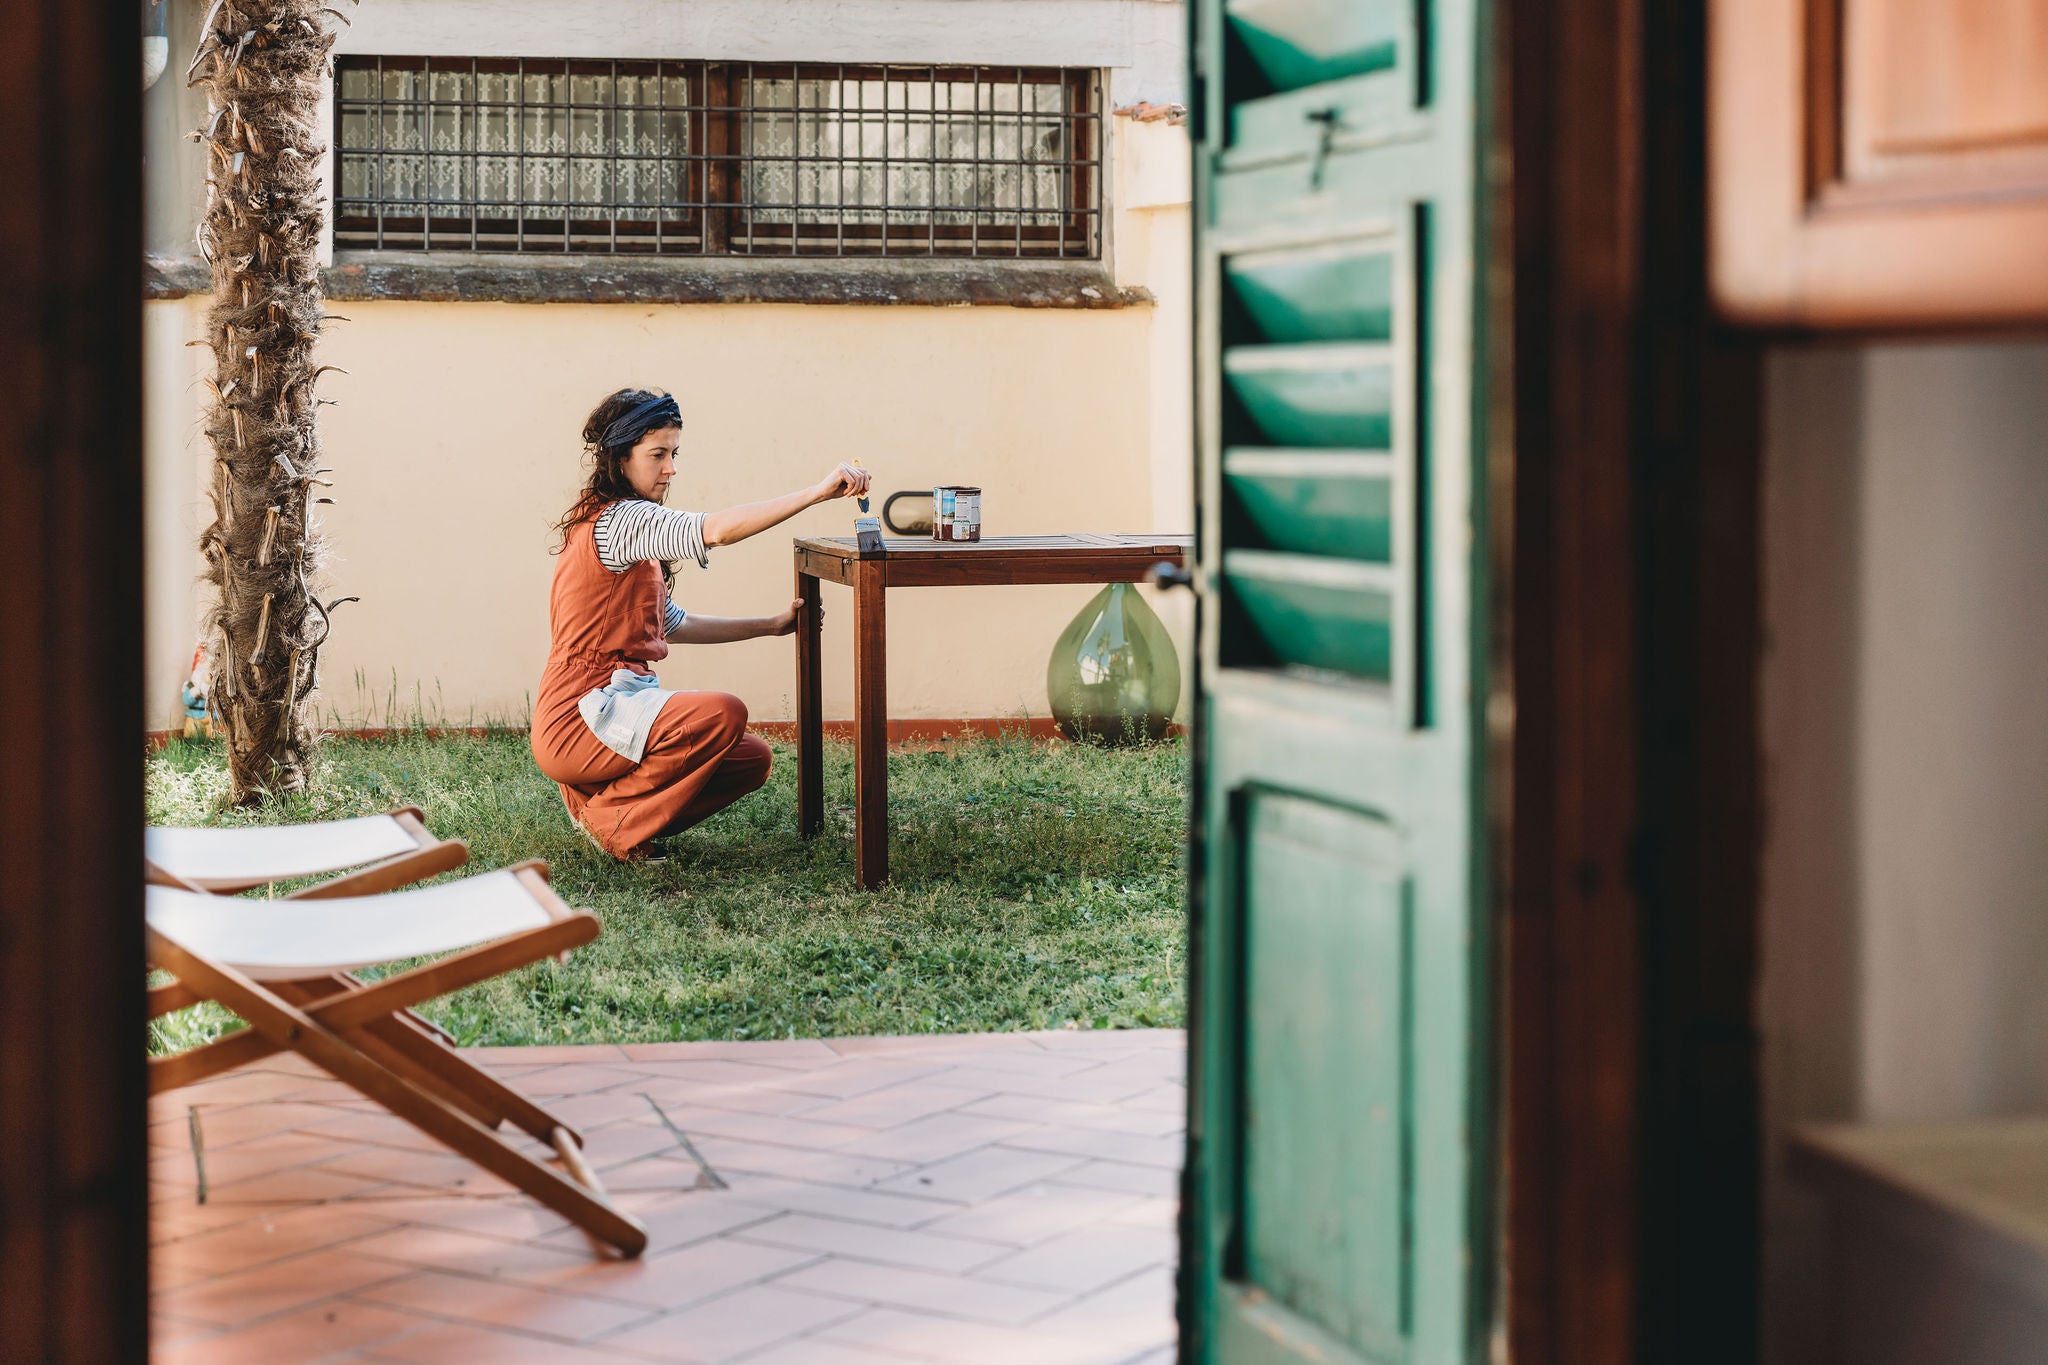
(262, 63)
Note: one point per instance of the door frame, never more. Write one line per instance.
(1622, 429)
(74, 1154)
(1623, 469)
(1625, 838)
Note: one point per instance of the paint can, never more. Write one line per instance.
(956, 512)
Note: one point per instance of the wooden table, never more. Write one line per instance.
(906, 563)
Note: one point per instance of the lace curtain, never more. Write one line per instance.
(911, 153)
(508, 145)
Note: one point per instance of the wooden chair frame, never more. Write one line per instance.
(430, 858)
(365, 1035)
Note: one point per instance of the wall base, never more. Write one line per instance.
(900, 731)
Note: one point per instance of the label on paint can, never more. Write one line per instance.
(956, 513)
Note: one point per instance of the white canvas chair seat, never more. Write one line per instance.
(285, 966)
(392, 850)
(290, 940)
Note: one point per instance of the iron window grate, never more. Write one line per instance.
(716, 158)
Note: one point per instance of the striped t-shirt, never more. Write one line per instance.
(634, 529)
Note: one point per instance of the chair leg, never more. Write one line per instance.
(590, 1209)
(357, 983)
(235, 1049)
(450, 1068)
(404, 1042)
(383, 1042)
(196, 1064)
(288, 1025)
(176, 995)
(420, 1061)
(429, 1026)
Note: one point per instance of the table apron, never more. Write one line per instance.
(830, 567)
(912, 571)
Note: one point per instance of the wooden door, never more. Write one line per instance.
(1879, 163)
(74, 1151)
(1339, 1139)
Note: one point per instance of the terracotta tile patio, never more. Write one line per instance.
(980, 1199)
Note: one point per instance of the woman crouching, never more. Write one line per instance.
(636, 763)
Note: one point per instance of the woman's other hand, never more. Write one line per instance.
(845, 481)
(699, 629)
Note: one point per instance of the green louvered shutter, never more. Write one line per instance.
(1339, 1148)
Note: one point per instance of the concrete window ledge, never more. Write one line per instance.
(985, 282)
(174, 277)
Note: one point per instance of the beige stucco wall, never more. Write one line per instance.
(1155, 248)
(455, 446)
(455, 442)
(171, 504)
(1905, 948)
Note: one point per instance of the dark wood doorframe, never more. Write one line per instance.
(73, 1138)
(1629, 491)
(1624, 459)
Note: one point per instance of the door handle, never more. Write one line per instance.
(1332, 120)
(1167, 574)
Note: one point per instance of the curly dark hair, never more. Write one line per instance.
(607, 482)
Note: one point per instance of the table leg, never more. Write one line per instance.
(871, 727)
(810, 712)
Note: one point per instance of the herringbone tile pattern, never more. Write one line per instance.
(1000, 1199)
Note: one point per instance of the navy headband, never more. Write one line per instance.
(652, 415)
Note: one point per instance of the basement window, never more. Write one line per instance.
(690, 158)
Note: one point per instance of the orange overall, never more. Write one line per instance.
(699, 758)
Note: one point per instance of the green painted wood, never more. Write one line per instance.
(1339, 504)
(1296, 43)
(1329, 394)
(1289, 126)
(1340, 291)
(1302, 611)
(1338, 1195)
(1326, 1055)
(1256, 1329)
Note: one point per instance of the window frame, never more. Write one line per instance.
(715, 166)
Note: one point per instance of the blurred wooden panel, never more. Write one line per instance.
(74, 1158)
(1938, 100)
(1956, 74)
(1878, 164)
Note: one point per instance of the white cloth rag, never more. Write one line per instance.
(622, 711)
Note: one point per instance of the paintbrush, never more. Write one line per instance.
(867, 531)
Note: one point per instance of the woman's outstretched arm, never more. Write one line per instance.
(718, 630)
(751, 518)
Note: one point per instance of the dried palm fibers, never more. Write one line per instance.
(262, 64)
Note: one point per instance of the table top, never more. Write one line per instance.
(1050, 548)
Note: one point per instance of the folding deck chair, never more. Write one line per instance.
(285, 966)
(398, 848)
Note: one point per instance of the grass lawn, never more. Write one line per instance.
(1032, 886)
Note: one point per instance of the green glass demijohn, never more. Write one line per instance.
(1114, 675)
